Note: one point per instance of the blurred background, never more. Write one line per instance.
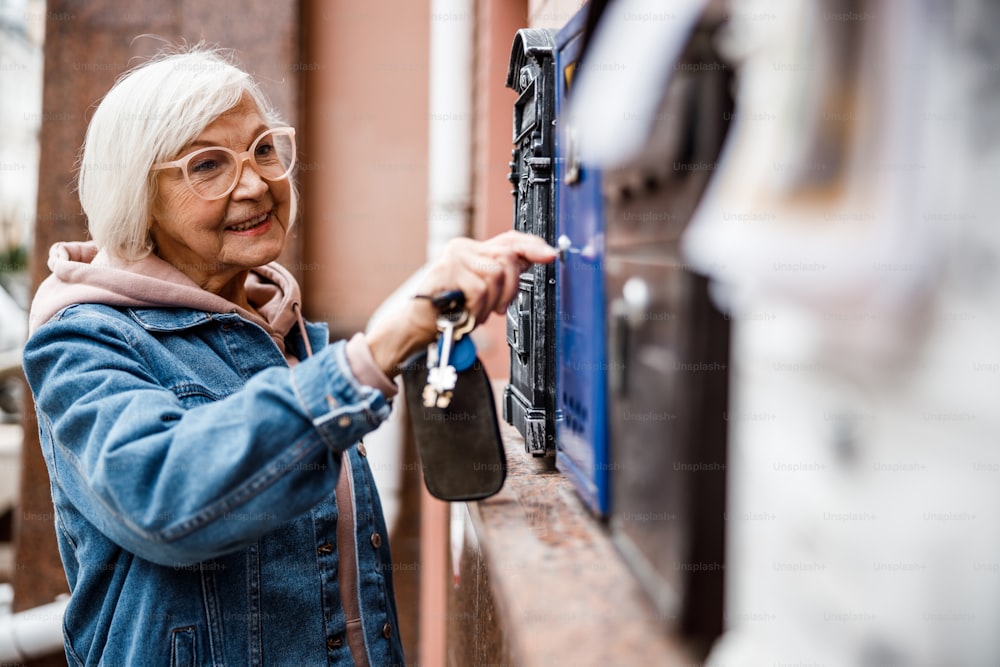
(22, 25)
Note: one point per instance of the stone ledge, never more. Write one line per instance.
(562, 593)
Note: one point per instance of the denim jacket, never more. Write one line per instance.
(193, 476)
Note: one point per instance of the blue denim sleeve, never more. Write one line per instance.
(178, 484)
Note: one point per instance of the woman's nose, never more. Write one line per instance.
(250, 184)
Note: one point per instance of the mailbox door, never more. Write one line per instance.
(581, 350)
(668, 368)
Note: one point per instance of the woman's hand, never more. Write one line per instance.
(486, 271)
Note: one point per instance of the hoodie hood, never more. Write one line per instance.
(83, 274)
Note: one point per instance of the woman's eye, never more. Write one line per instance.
(209, 163)
(203, 166)
(264, 150)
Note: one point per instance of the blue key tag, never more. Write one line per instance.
(463, 353)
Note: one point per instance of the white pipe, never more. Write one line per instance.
(384, 445)
(34, 633)
(449, 123)
(449, 189)
(449, 186)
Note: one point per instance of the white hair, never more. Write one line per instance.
(148, 116)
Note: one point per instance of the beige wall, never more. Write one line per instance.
(551, 13)
(363, 146)
(364, 155)
(496, 23)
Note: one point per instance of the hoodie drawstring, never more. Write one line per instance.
(302, 328)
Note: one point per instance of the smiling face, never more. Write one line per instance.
(215, 243)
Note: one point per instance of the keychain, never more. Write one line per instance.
(452, 409)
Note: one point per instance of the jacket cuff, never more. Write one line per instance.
(339, 405)
(362, 363)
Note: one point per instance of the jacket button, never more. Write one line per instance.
(376, 540)
(344, 421)
(361, 449)
(324, 549)
(334, 642)
(387, 630)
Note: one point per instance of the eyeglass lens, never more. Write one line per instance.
(212, 171)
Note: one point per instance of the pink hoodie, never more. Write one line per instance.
(83, 274)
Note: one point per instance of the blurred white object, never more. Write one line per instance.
(13, 325)
(850, 231)
(10, 465)
(34, 633)
(22, 28)
(626, 68)
(822, 196)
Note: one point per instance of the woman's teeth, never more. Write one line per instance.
(249, 224)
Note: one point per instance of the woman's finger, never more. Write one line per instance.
(488, 272)
(512, 280)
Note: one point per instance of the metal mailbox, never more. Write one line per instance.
(529, 397)
(668, 354)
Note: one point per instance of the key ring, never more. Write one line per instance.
(445, 301)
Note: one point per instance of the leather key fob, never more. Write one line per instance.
(460, 448)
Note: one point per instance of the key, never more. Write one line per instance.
(445, 377)
(442, 375)
(453, 322)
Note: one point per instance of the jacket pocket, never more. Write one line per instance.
(182, 648)
(192, 395)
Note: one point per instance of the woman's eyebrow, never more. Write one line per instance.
(205, 143)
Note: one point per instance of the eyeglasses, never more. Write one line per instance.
(213, 172)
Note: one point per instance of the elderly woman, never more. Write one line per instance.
(212, 500)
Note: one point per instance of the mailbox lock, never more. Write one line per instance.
(565, 245)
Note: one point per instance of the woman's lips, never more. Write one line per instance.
(253, 226)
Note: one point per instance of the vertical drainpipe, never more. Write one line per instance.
(449, 190)
(449, 187)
